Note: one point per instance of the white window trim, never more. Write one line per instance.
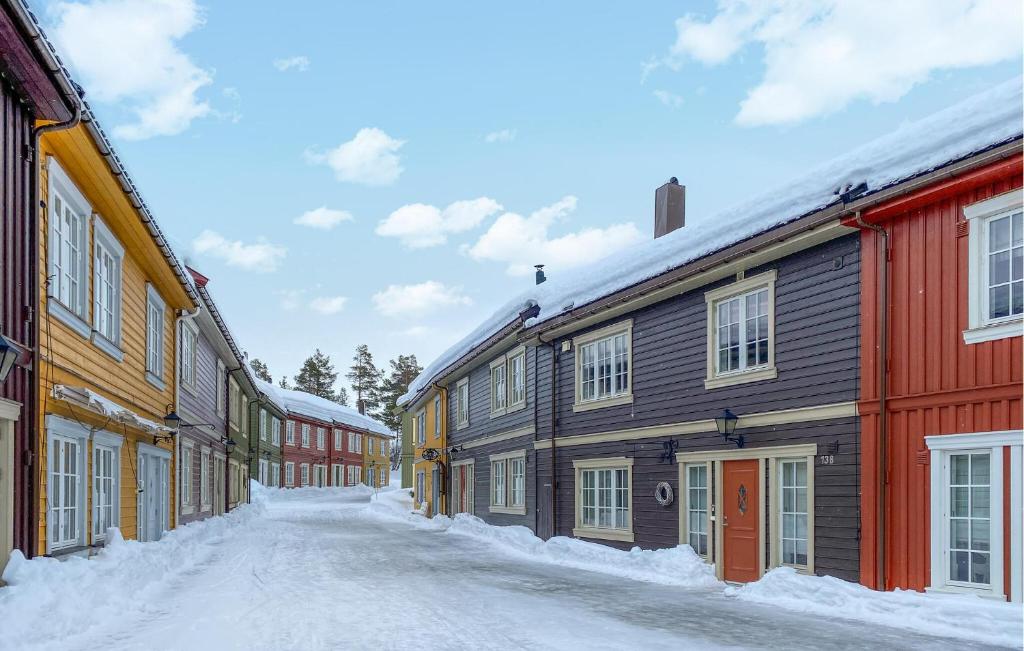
(304, 433)
(289, 474)
(189, 329)
(471, 493)
(941, 446)
(113, 442)
(494, 365)
(437, 416)
(289, 432)
(339, 439)
(185, 486)
(510, 406)
(714, 379)
(103, 238)
(622, 327)
(275, 474)
(154, 375)
(304, 474)
(222, 388)
(979, 327)
(321, 438)
(205, 482)
(507, 508)
(606, 463)
(57, 427)
(461, 423)
(264, 424)
(420, 427)
(775, 479)
(684, 514)
(275, 430)
(59, 182)
(235, 405)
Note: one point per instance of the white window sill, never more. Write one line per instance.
(626, 399)
(107, 346)
(742, 377)
(603, 534)
(508, 510)
(155, 381)
(68, 318)
(498, 412)
(984, 593)
(516, 407)
(993, 332)
(187, 510)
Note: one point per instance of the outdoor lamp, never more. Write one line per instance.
(172, 420)
(229, 444)
(726, 424)
(9, 353)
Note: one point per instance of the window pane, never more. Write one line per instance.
(979, 469)
(999, 267)
(980, 570)
(999, 234)
(999, 301)
(959, 566)
(958, 469)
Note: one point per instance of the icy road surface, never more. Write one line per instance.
(314, 573)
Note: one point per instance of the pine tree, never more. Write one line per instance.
(364, 378)
(261, 370)
(317, 376)
(284, 382)
(342, 397)
(403, 371)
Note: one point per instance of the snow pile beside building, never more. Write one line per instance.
(991, 621)
(121, 580)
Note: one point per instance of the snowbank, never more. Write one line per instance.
(122, 579)
(991, 622)
(973, 125)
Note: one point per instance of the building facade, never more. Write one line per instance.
(305, 450)
(942, 302)
(428, 438)
(30, 94)
(241, 394)
(376, 460)
(270, 417)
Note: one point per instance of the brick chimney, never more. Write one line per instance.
(669, 207)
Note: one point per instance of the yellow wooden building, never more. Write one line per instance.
(377, 459)
(429, 441)
(111, 294)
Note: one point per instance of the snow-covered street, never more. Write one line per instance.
(322, 569)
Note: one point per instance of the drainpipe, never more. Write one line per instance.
(883, 390)
(554, 433)
(35, 399)
(443, 492)
(183, 315)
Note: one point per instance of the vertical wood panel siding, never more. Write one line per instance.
(937, 383)
(17, 291)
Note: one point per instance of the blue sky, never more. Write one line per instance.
(548, 125)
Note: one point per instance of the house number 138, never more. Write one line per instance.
(826, 459)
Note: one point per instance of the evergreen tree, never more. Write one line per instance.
(364, 378)
(261, 370)
(403, 371)
(284, 382)
(342, 397)
(317, 376)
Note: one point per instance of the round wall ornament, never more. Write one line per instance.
(663, 493)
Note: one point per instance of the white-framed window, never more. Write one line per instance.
(604, 367)
(421, 427)
(108, 263)
(337, 440)
(383, 477)
(289, 432)
(305, 435)
(264, 424)
(189, 346)
(995, 267)
(243, 421)
(603, 498)
(517, 379)
(741, 331)
(304, 473)
(421, 483)
(155, 312)
(275, 474)
(462, 403)
(499, 387)
(337, 474)
(794, 513)
(508, 482)
(262, 470)
(370, 476)
(697, 520)
(359, 474)
(321, 438)
(66, 483)
(106, 484)
(968, 489)
(205, 495)
(355, 442)
(67, 250)
(275, 431)
(289, 473)
(385, 448)
(355, 475)
(221, 388)
(234, 403)
(462, 483)
(437, 416)
(185, 472)
(320, 475)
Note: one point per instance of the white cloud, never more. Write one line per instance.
(126, 52)
(290, 299)
(260, 256)
(415, 332)
(298, 63)
(323, 218)
(371, 158)
(328, 304)
(522, 242)
(417, 300)
(819, 57)
(420, 226)
(505, 135)
(670, 100)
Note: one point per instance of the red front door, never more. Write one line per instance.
(740, 524)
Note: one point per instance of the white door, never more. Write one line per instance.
(263, 472)
(218, 485)
(154, 501)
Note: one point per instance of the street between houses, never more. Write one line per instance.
(318, 569)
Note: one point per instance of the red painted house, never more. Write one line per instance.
(305, 450)
(34, 89)
(348, 465)
(942, 300)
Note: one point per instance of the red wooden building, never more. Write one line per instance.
(942, 299)
(347, 459)
(305, 450)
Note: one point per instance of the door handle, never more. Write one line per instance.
(725, 521)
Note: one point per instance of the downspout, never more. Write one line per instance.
(35, 205)
(183, 315)
(883, 390)
(444, 461)
(554, 433)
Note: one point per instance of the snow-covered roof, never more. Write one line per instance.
(306, 404)
(273, 393)
(978, 123)
(107, 407)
